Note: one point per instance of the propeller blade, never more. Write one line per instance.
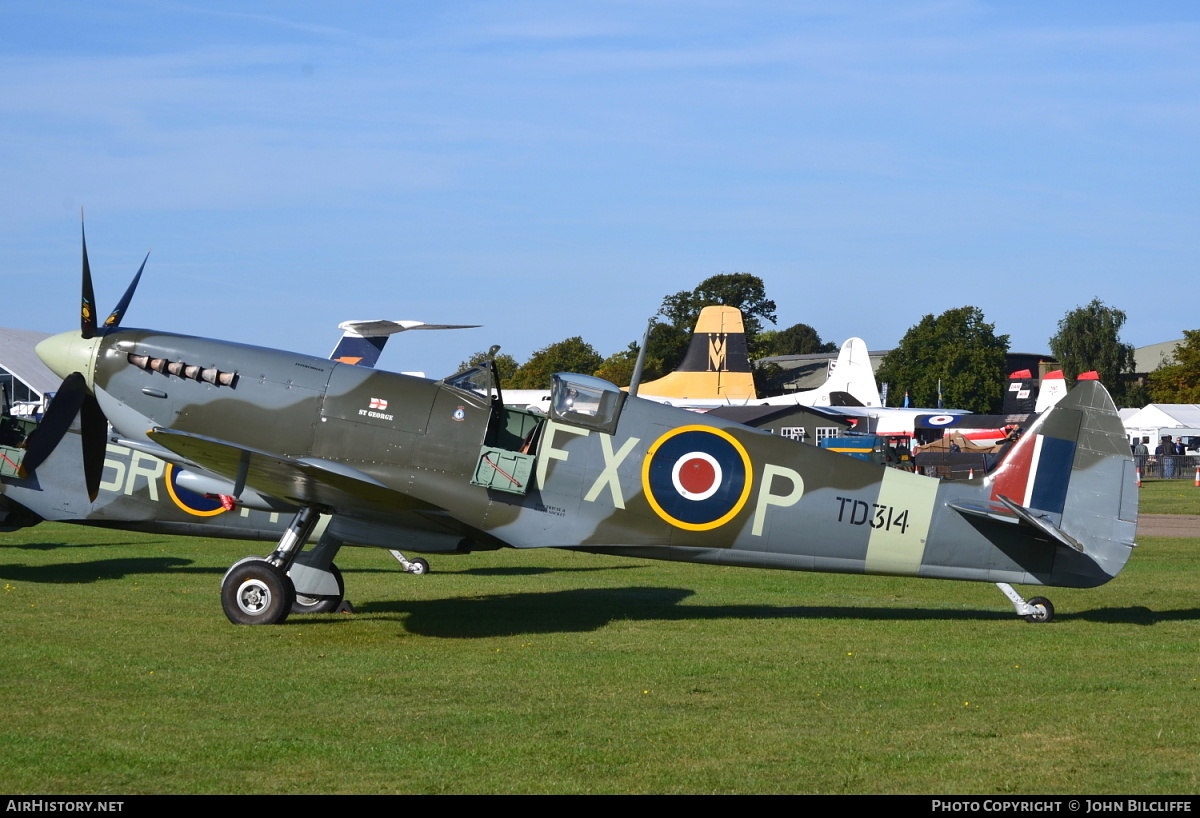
(94, 426)
(87, 323)
(43, 440)
(114, 319)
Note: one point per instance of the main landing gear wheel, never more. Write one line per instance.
(1045, 610)
(255, 592)
(305, 604)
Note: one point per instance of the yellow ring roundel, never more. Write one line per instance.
(697, 477)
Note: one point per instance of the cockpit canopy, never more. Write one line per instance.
(582, 400)
(478, 379)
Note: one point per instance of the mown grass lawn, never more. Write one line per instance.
(548, 671)
(1169, 497)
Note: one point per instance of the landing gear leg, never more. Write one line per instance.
(319, 586)
(258, 591)
(1037, 609)
(292, 541)
(417, 566)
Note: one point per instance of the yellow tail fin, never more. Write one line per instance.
(716, 365)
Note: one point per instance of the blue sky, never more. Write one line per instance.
(555, 169)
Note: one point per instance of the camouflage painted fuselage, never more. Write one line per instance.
(393, 456)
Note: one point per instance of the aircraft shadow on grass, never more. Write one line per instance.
(1136, 615)
(534, 570)
(54, 546)
(81, 573)
(590, 609)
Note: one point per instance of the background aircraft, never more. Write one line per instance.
(362, 342)
(716, 366)
(446, 467)
(716, 371)
(850, 375)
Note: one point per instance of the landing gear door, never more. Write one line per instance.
(581, 400)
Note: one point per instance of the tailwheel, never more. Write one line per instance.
(306, 604)
(1043, 610)
(256, 592)
(417, 566)
(1037, 609)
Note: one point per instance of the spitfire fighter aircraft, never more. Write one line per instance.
(445, 466)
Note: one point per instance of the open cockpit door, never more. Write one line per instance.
(509, 448)
(507, 451)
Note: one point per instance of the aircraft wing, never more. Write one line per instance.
(160, 452)
(302, 481)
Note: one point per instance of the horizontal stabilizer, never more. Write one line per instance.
(379, 328)
(838, 398)
(362, 342)
(1006, 511)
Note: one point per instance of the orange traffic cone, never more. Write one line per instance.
(1139, 477)
(971, 474)
(1198, 477)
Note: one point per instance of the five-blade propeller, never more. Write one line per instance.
(75, 398)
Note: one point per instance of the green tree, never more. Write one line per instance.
(618, 367)
(665, 350)
(959, 348)
(742, 290)
(666, 344)
(571, 355)
(1177, 379)
(669, 340)
(798, 339)
(1089, 338)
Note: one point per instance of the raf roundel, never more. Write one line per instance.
(940, 420)
(195, 504)
(697, 477)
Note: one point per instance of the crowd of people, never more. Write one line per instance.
(1168, 456)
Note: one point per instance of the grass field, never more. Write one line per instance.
(520, 672)
(1169, 497)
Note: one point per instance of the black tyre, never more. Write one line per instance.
(305, 604)
(419, 567)
(1045, 614)
(255, 592)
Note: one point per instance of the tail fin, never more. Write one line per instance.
(1053, 388)
(1018, 398)
(852, 374)
(362, 342)
(1071, 478)
(717, 364)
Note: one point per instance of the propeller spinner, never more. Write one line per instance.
(72, 356)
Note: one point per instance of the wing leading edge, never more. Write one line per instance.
(302, 481)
